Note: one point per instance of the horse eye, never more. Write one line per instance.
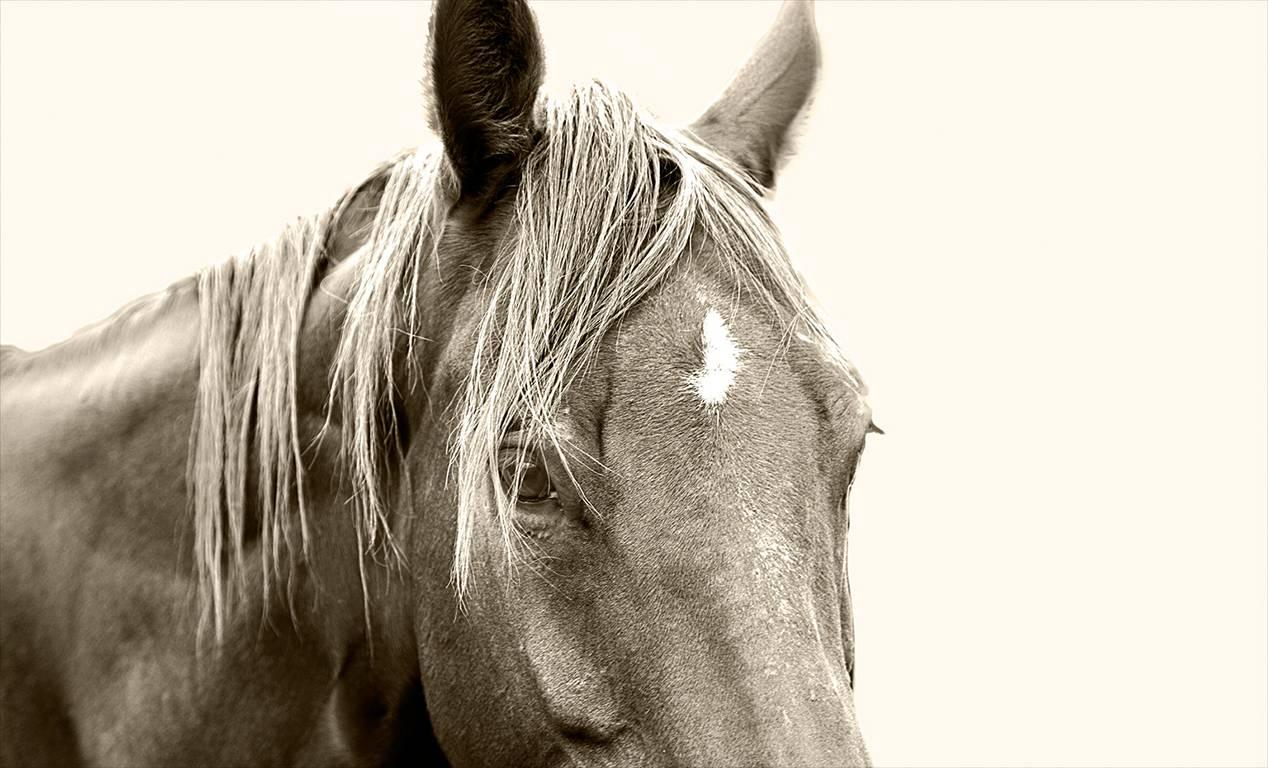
(534, 478)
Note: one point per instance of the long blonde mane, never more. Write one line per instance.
(608, 205)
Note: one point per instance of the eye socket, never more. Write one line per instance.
(529, 468)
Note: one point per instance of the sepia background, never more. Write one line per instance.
(1040, 231)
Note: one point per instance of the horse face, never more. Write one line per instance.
(701, 603)
(659, 576)
(680, 594)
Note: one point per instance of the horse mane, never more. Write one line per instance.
(608, 204)
(245, 426)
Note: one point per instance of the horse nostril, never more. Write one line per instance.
(593, 733)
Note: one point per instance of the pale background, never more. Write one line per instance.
(1040, 229)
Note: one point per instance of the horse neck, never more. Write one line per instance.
(113, 403)
(95, 448)
(111, 410)
(379, 593)
(93, 451)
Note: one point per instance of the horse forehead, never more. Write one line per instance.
(699, 373)
(710, 439)
(698, 339)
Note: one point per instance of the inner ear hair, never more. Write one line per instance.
(353, 217)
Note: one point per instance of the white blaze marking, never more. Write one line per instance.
(721, 360)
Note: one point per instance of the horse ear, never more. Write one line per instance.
(486, 69)
(751, 122)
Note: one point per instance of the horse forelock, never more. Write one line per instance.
(609, 203)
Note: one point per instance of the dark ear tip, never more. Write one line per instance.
(486, 69)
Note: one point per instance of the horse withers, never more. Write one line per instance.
(531, 450)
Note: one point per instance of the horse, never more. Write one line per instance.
(532, 449)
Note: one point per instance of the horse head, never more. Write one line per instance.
(628, 440)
